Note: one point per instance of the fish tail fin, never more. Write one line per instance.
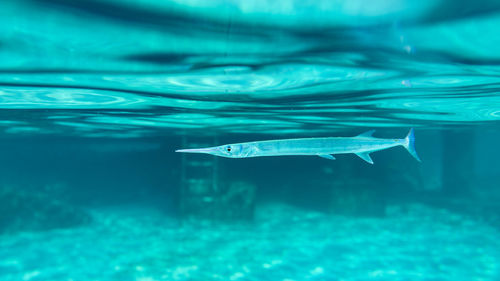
(409, 144)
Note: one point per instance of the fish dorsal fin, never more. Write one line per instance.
(365, 156)
(327, 156)
(367, 134)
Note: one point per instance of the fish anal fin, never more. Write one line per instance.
(327, 156)
(365, 156)
(367, 134)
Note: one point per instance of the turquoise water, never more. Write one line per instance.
(140, 68)
(95, 96)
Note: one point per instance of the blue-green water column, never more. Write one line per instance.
(458, 163)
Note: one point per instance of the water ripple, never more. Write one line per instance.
(264, 67)
(40, 98)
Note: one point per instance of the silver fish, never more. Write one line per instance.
(361, 145)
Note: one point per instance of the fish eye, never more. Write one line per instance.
(228, 148)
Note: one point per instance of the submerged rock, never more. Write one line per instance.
(28, 211)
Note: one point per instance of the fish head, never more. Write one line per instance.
(227, 150)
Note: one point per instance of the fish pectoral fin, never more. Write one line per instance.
(327, 156)
(367, 134)
(365, 156)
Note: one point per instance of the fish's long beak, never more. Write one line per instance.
(208, 150)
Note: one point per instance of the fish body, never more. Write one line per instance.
(361, 145)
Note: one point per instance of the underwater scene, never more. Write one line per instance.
(281, 140)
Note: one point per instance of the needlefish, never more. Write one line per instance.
(361, 145)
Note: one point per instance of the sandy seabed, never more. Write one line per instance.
(283, 243)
